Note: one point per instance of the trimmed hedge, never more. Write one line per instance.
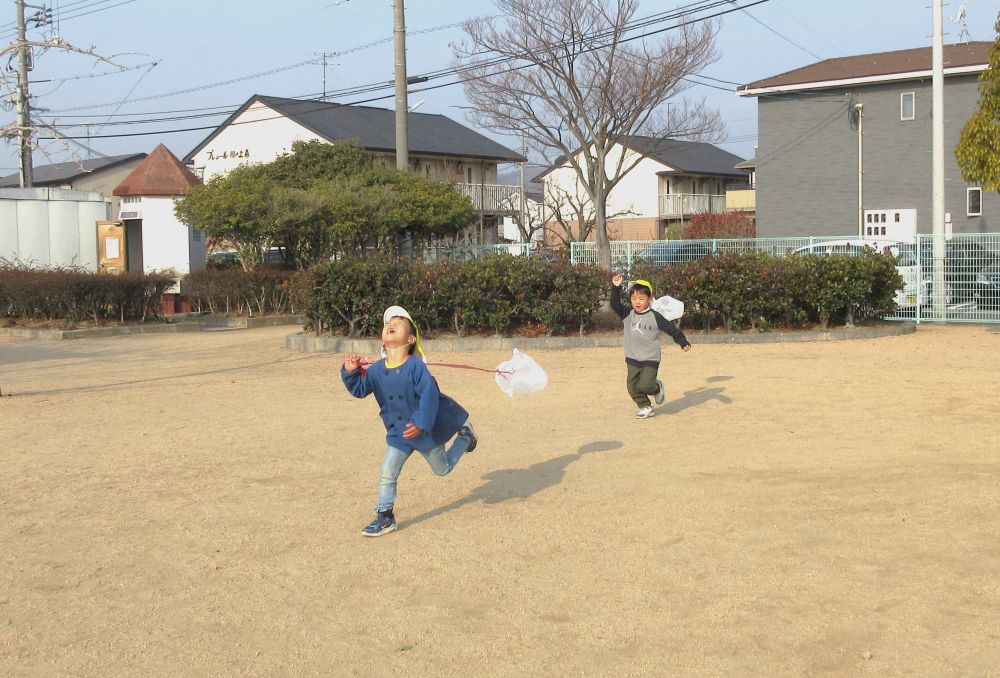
(72, 295)
(760, 291)
(261, 291)
(496, 294)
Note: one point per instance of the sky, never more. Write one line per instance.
(204, 58)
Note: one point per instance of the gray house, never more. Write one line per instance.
(848, 139)
(99, 175)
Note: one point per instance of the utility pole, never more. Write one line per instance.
(324, 56)
(937, 161)
(859, 109)
(23, 114)
(524, 223)
(399, 35)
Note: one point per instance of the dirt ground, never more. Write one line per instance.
(190, 504)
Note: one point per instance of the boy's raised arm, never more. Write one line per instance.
(616, 297)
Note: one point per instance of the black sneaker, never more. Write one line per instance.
(384, 523)
(471, 435)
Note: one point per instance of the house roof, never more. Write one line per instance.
(159, 174)
(880, 66)
(375, 129)
(687, 157)
(66, 172)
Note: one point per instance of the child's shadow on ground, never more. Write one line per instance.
(696, 397)
(520, 483)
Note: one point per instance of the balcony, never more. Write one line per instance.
(685, 204)
(741, 198)
(492, 198)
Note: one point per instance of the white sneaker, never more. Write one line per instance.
(645, 413)
(660, 395)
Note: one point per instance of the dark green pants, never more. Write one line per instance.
(641, 382)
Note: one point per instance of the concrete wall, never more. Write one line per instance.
(48, 227)
(807, 159)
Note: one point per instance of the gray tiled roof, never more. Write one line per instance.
(375, 129)
(689, 157)
(66, 172)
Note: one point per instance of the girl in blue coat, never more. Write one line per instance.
(417, 416)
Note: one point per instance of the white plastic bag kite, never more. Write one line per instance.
(668, 307)
(521, 375)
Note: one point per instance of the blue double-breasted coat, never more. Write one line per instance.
(408, 394)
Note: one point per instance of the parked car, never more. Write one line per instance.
(906, 263)
(669, 252)
(987, 287)
(963, 262)
(223, 259)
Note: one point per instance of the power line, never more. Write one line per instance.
(438, 74)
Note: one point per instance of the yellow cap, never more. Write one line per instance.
(642, 283)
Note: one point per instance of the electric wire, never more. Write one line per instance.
(440, 74)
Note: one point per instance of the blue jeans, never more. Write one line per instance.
(442, 462)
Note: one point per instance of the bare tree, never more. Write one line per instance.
(575, 77)
(572, 215)
(530, 221)
(8, 89)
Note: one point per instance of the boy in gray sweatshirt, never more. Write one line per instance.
(642, 342)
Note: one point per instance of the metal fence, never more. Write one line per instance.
(464, 252)
(964, 287)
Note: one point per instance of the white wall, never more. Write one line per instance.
(49, 227)
(535, 214)
(166, 242)
(636, 195)
(262, 141)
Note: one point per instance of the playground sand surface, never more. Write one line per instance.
(191, 505)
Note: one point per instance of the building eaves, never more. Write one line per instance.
(872, 68)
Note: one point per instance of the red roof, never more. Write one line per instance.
(881, 64)
(161, 173)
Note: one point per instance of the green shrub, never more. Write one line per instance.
(74, 295)
(496, 294)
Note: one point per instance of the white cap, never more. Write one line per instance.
(395, 312)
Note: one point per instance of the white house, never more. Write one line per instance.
(265, 127)
(155, 239)
(671, 181)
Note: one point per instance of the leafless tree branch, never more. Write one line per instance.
(566, 75)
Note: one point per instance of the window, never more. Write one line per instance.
(131, 198)
(974, 202)
(195, 235)
(906, 107)
(469, 175)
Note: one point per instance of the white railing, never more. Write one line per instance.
(492, 197)
(682, 204)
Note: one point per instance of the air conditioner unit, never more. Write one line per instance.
(129, 214)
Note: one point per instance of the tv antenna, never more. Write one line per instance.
(961, 19)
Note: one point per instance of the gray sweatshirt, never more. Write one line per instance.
(642, 332)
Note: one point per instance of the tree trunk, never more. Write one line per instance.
(601, 233)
